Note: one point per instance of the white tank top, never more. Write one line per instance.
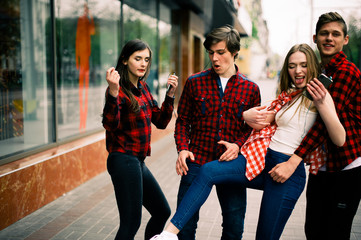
(291, 127)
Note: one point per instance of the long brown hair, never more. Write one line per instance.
(124, 81)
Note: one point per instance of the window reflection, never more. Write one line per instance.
(142, 26)
(25, 73)
(165, 57)
(88, 43)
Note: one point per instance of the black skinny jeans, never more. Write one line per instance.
(332, 202)
(134, 186)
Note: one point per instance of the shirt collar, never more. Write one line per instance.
(336, 60)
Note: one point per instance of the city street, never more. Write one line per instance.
(90, 211)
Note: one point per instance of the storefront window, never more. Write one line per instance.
(26, 110)
(142, 26)
(87, 44)
(165, 58)
(52, 66)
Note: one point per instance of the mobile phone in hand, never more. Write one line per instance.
(170, 86)
(326, 81)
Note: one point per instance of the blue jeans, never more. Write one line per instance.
(232, 199)
(278, 199)
(134, 187)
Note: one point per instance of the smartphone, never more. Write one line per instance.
(326, 81)
(170, 86)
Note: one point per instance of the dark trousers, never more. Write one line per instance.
(134, 187)
(332, 202)
(232, 199)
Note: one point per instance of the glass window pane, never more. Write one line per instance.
(165, 59)
(26, 108)
(143, 26)
(87, 44)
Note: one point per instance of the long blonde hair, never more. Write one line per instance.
(313, 70)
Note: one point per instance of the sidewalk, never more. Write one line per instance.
(90, 211)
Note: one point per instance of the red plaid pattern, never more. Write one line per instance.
(316, 159)
(130, 132)
(207, 115)
(255, 148)
(346, 93)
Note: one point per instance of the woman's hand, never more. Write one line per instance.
(318, 91)
(283, 171)
(173, 84)
(326, 108)
(112, 78)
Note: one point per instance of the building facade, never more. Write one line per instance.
(53, 58)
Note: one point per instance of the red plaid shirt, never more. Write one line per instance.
(346, 93)
(129, 132)
(206, 115)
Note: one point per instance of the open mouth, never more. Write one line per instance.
(299, 80)
(327, 46)
(216, 66)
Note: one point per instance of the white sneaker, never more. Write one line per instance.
(162, 237)
(159, 237)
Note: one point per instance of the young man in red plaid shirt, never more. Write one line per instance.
(334, 193)
(210, 126)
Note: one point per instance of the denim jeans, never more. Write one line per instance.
(278, 199)
(134, 187)
(232, 199)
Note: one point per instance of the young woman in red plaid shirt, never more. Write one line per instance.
(293, 114)
(127, 116)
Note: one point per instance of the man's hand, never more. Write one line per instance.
(258, 117)
(181, 165)
(231, 152)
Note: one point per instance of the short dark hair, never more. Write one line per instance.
(331, 17)
(226, 33)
